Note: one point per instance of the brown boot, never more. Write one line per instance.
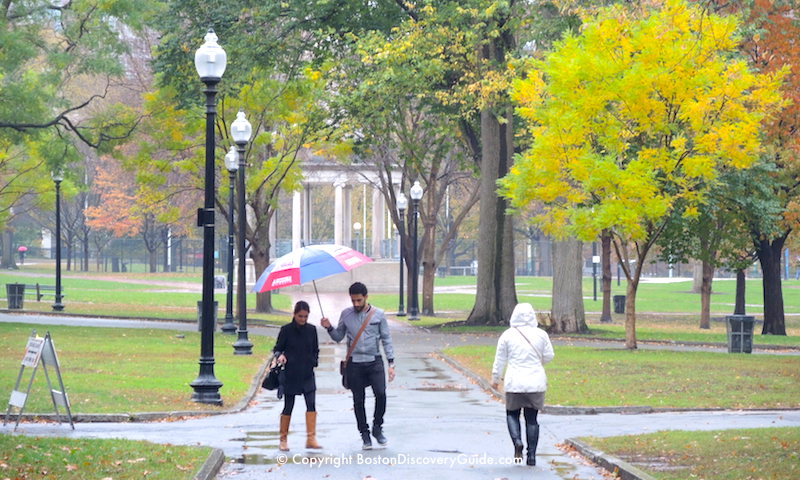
(284, 444)
(311, 429)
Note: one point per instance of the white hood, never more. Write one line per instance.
(523, 315)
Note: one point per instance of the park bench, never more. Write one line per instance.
(41, 290)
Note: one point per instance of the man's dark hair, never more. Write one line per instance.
(358, 288)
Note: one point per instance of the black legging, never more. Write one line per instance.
(288, 402)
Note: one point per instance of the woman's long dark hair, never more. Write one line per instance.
(301, 306)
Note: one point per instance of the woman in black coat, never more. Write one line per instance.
(298, 350)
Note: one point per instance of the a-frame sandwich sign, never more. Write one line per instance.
(39, 350)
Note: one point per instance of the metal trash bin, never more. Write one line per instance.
(740, 333)
(619, 303)
(200, 315)
(15, 293)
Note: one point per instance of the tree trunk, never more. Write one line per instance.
(8, 260)
(545, 268)
(739, 307)
(705, 295)
(85, 244)
(697, 277)
(429, 265)
(152, 256)
(630, 311)
(165, 266)
(769, 255)
(568, 314)
(496, 294)
(260, 263)
(605, 258)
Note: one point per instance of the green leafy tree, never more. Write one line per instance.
(630, 117)
(717, 236)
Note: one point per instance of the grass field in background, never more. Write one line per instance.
(597, 377)
(120, 370)
(118, 296)
(759, 453)
(674, 297)
(78, 458)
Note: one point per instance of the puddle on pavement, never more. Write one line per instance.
(255, 459)
(440, 388)
(564, 470)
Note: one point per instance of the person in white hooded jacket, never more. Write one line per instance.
(522, 352)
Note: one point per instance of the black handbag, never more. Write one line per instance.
(273, 379)
(343, 371)
(343, 363)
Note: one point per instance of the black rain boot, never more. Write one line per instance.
(366, 441)
(532, 432)
(377, 432)
(514, 430)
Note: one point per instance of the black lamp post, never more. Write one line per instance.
(402, 204)
(231, 164)
(210, 61)
(413, 302)
(241, 131)
(57, 178)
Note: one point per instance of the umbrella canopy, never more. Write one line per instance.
(308, 264)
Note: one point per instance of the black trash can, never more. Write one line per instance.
(740, 333)
(200, 315)
(619, 303)
(15, 293)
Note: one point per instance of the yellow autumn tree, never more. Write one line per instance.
(639, 110)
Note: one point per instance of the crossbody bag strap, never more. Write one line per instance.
(526, 338)
(358, 335)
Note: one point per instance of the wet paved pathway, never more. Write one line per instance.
(439, 423)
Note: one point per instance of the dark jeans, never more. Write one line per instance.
(362, 375)
(311, 400)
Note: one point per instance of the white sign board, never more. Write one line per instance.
(39, 350)
(33, 351)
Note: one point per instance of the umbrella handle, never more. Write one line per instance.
(318, 301)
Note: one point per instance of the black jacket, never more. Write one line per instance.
(300, 346)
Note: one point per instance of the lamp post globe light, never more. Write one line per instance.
(357, 228)
(402, 205)
(413, 302)
(232, 165)
(58, 177)
(241, 130)
(210, 61)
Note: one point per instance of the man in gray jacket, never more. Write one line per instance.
(365, 367)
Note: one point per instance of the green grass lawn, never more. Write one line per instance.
(121, 296)
(761, 453)
(24, 457)
(595, 377)
(110, 370)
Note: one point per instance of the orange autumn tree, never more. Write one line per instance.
(116, 193)
(125, 209)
